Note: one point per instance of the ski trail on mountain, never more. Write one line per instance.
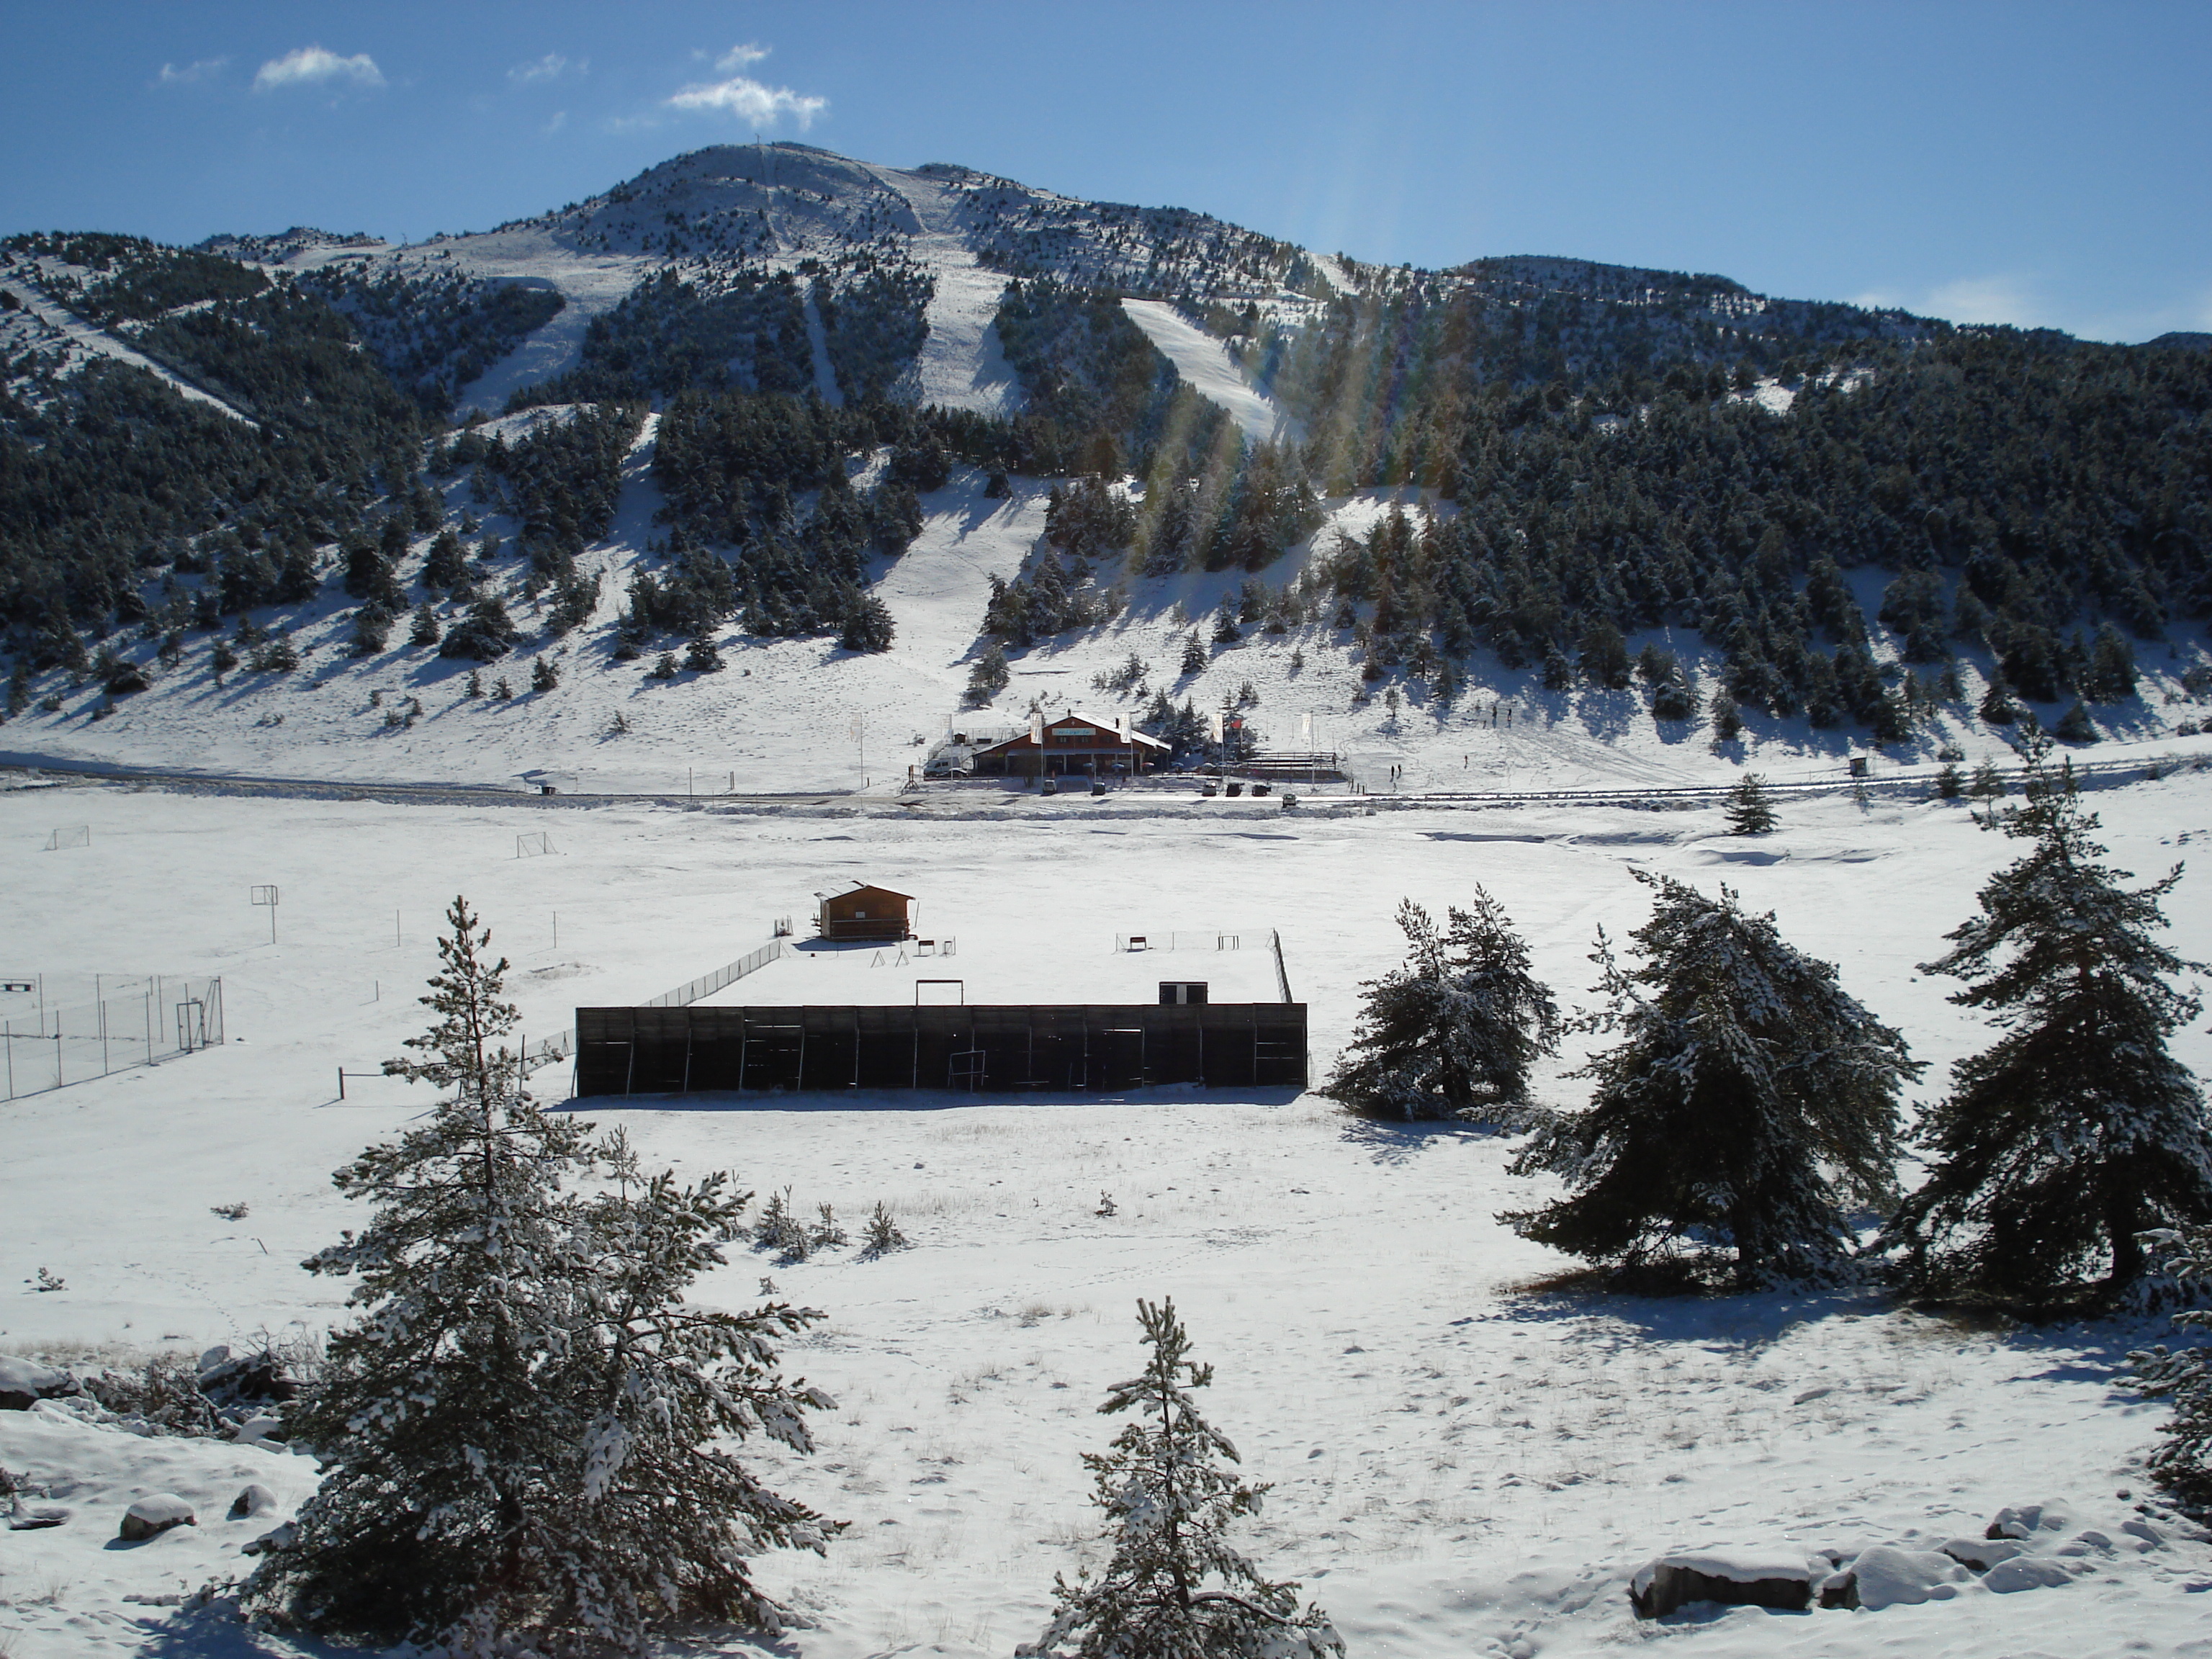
(961, 366)
(94, 341)
(1205, 365)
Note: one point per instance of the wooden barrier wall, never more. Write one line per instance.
(1110, 1047)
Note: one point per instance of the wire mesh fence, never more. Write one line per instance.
(53, 1037)
(707, 984)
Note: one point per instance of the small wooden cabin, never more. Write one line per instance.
(867, 913)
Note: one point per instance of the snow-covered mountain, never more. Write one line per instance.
(1390, 505)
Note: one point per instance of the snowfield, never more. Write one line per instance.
(1463, 1460)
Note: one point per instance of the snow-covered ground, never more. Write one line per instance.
(1461, 1461)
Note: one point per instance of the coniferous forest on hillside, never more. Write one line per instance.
(1610, 451)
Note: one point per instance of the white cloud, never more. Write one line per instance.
(1987, 299)
(203, 69)
(749, 101)
(551, 67)
(741, 57)
(560, 119)
(312, 64)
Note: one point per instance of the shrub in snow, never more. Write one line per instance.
(525, 1430)
(163, 1396)
(2076, 1131)
(1174, 1589)
(883, 1235)
(1748, 1103)
(1453, 1032)
(779, 1228)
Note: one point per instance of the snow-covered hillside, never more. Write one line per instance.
(1463, 1460)
(781, 716)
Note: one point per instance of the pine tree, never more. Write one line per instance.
(424, 629)
(475, 685)
(1193, 654)
(700, 656)
(2182, 1462)
(2074, 726)
(1750, 808)
(1747, 1105)
(544, 675)
(1727, 719)
(1453, 1031)
(517, 1430)
(1174, 1589)
(988, 677)
(868, 625)
(2076, 1131)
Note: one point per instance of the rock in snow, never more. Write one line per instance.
(2026, 1572)
(1982, 1554)
(256, 1499)
(2026, 1520)
(153, 1515)
(1886, 1577)
(24, 1382)
(1778, 1578)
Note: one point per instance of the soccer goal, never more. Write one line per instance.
(536, 844)
(77, 835)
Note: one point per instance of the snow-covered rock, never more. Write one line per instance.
(24, 1382)
(2027, 1572)
(1886, 1576)
(2026, 1520)
(1776, 1577)
(255, 1500)
(1980, 1554)
(153, 1515)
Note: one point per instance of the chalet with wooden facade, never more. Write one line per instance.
(867, 914)
(1073, 746)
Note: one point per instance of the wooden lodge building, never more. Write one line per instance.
(1073, 746)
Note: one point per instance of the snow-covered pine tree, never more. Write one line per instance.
(1174, 1589)
(1453, 1031)
(1748, 1103)
(517, 1430)
(2182, 1462)
(868, 624)
(1750, 808)
(988, 677)
(2076, 1130)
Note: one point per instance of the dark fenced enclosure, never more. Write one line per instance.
(1108, 1047)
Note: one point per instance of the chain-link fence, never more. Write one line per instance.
(54, 1036)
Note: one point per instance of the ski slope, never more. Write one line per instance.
(1203, 362)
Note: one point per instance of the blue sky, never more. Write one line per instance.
(2027, 163)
